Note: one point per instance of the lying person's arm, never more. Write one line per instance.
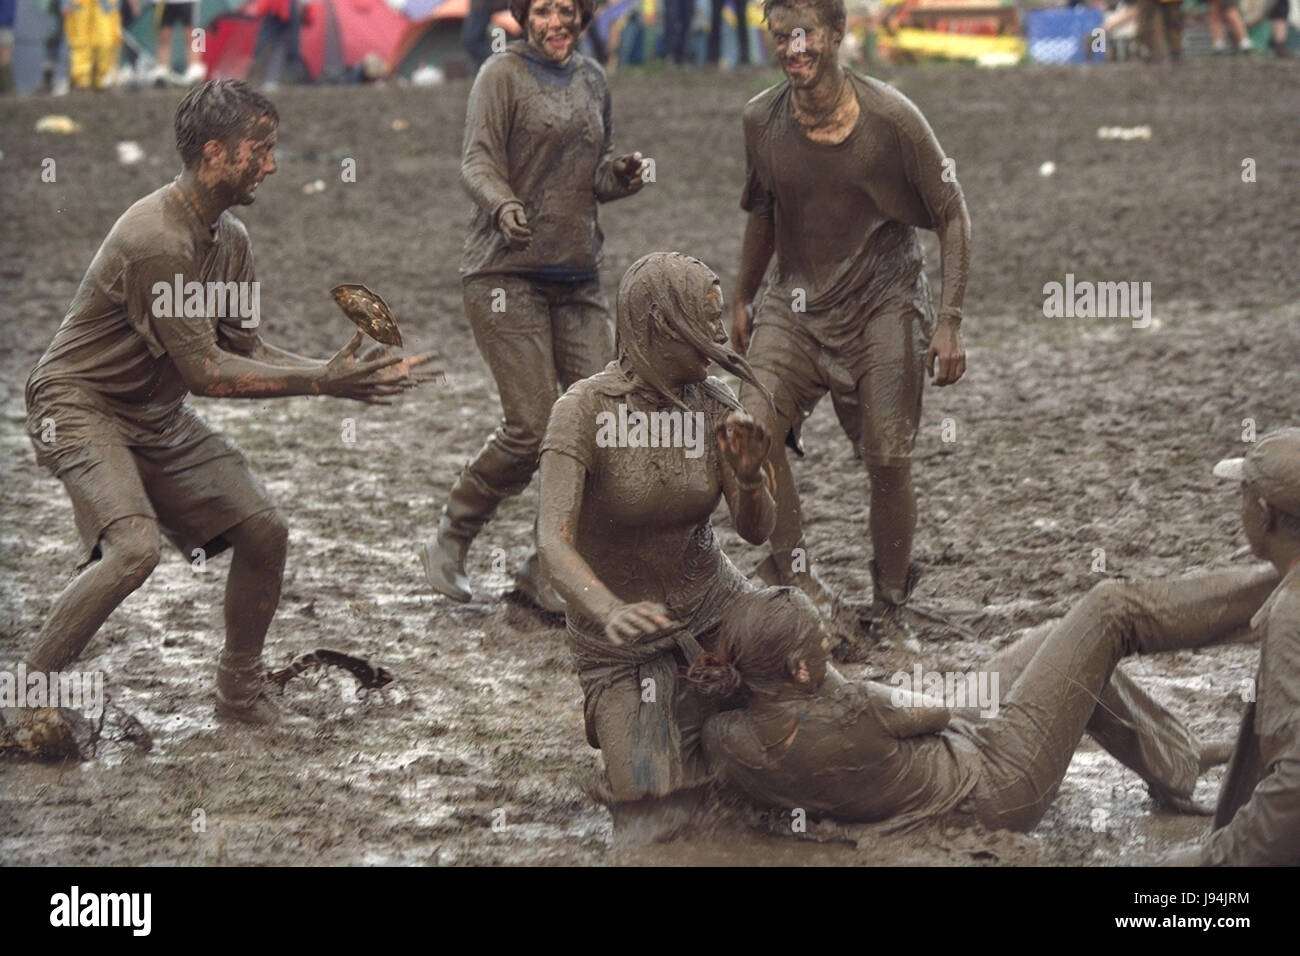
(903, 713)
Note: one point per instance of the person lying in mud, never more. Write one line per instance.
(635, 460)
(863, 751)
(154, 319)
(538, 159)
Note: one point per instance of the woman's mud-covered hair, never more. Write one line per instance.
(669, 294)
(763, 633)
(519, 10)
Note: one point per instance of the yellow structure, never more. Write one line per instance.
(94, 32)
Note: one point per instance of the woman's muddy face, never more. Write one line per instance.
(680, 361)
(554, 27)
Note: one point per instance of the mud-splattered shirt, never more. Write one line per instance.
(849, 754)
(117, 340)
(846, 215)
(539, 134)
(1258, 818)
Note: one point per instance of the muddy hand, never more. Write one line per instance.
(514, 226)
(630, 168)
(742, 326)
(946, 350)
(403, 372)
(347, 377)
(628, 622)
(744, 444)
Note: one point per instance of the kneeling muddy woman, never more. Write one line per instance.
(633, 465)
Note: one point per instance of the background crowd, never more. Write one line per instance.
(103, 44)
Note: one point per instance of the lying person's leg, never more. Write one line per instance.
(1131, 725)
(1028, 746)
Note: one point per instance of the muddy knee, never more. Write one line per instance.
(262, 539)
(131, 547)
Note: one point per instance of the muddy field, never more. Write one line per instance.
(1070, 435)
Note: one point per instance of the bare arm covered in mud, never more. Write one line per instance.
(213, 372)
(563, 482)
(744, 445)
(757, 251)
(934, 178)
(912, 719)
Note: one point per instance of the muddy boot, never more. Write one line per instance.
(890, 619)
(470, 505)
(533, 583)
(444, 562)
(243, 692)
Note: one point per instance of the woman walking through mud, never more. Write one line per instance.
(537, 160)
(634, 463)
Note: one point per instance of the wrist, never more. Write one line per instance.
(508, 204)
(950, 316)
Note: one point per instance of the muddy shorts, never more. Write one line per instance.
(875, 381)
(195, 483)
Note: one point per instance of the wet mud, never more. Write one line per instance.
(1070, 435)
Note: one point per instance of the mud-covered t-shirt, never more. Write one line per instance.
(542, 135)
(1265, 829)
(847, 753)
(645, 526)
(845, 215)
(126, 322)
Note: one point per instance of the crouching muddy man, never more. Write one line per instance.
(106, 403)
(860, 751)
(841, 172)
(626, 533)
(537, 160)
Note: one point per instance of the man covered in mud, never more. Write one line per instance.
(169, 306)
(537, 160)
(841, 172)
(1257, 822)
(626, 532)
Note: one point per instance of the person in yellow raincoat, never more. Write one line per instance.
(94, 32)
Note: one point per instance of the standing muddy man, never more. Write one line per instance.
(106, 405)
(841, 172)
(537, 160)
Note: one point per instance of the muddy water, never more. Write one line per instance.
(1071, 436)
